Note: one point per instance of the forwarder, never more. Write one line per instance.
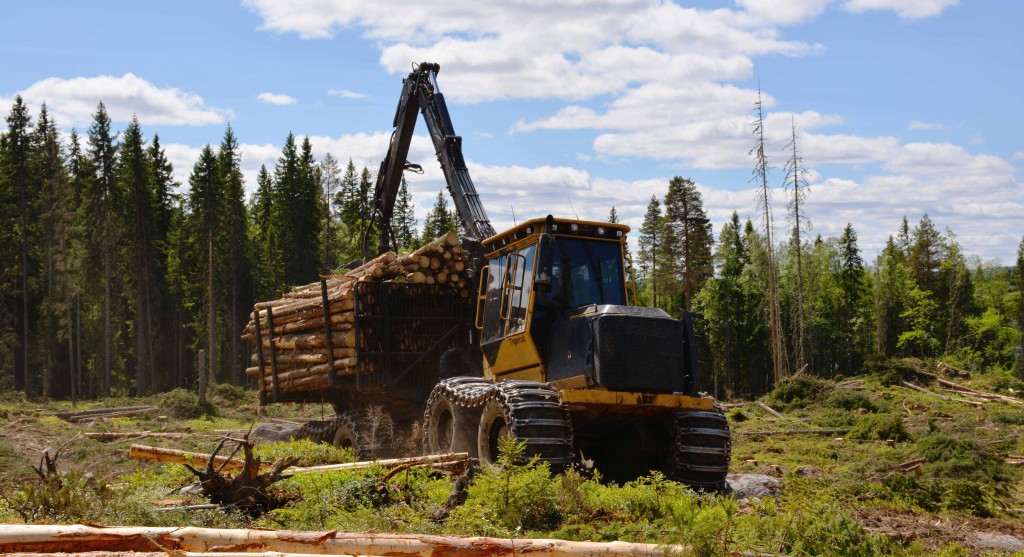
(552, 354)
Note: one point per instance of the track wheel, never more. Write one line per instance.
(702, 449)
(450, 428)
(347, 435)
(494, 426)
(532, 414)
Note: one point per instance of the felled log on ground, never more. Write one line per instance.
(97, 413)
(111, 435)
(172, 540)
(174, 456)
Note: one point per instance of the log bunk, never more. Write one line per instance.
(308, 339)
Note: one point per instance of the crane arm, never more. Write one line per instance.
(421, 94)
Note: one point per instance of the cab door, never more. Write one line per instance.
(504, 312)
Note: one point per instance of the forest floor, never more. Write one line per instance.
(900, 472)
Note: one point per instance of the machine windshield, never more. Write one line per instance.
(587, 272)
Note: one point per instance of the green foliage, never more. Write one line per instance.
(308, 452)
(879, 427)
(797, 392)
(849, 399)
(511, 496)
(181, 403)
(234, 394)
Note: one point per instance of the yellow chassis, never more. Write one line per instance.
(596, 397)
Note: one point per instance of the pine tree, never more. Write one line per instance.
(690, 245)
(100, 203)
(649, 242)
(269, 262)
(367, 238)
(404, 218)
(439, 220)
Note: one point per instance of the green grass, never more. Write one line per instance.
(964, 476)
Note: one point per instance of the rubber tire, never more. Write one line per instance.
(494, 425)
(450, 429)
(346, 437)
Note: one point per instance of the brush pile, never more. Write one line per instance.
(290, 332)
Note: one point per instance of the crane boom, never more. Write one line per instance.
(421, 94)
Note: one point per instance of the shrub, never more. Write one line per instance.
(880, 427)
(737, 415)
(509, 497)
(233, 394)
(182, 404)
(797, 392)
(849, 399)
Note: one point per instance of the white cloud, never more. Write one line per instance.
(784, 12)
(276, 98)
(346, 94)
(73, 101)
(1018, 156)
(976, 139)
(918, 125)
(907, 9)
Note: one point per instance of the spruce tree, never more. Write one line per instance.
(926, 255)
(235, 224)
(1020, 308)
(691, 241)
(649, 242)
(101, 202)
(613, 217)
(205, 214)
(19, 190)
(134, 176)
(439, 220)
(404, 221)
(851, 285)
(330, 184)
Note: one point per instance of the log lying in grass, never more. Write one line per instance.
(920, 389)
(111, 435)
(797, 432)
(769, 410)
(174, 540)
(174, 456)
(97, 413)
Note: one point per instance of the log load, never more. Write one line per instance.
(292, 342)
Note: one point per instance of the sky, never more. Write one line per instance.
(901, 107)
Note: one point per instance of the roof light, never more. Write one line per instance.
(618, 233)
(575, 227)
(600, 230)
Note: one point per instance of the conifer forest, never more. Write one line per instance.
(110, 266)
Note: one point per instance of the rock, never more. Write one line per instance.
(274, 431)
(999, 542)
(808, 472)
(745, 486)
(776, 470)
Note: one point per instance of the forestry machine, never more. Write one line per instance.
(553, 355)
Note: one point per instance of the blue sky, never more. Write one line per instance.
(901, 106)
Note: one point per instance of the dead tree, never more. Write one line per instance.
(249, 490)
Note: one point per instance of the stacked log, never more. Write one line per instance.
(296, 347)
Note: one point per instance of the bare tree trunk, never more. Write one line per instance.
(106, 306)
(761, 171)
(210, 333)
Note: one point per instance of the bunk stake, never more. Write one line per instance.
(328, 345)
(261, 364)
(275, 387)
